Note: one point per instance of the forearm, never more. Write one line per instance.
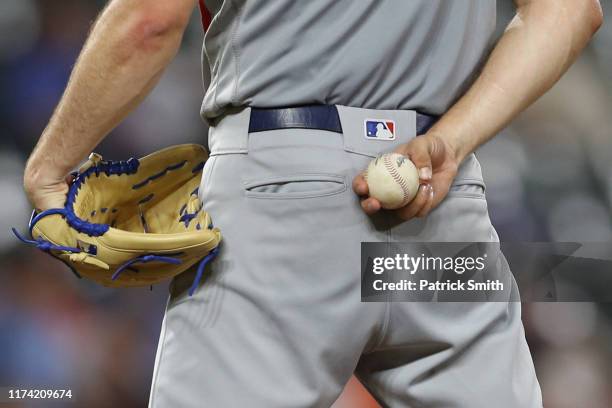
(126, 52)
(539, 45)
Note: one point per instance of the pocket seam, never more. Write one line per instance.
(467, 194)
(464, 181)
(334, 178)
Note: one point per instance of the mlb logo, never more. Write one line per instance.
(380, 129)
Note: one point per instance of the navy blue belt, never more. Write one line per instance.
(321, 117)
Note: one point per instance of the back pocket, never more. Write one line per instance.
(467, 189)
(295, 186)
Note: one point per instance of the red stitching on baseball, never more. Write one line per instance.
(398, 179)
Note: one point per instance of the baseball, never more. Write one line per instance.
(393, 180)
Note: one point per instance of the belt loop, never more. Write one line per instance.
(230, 134)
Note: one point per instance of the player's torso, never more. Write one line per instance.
(380, 54)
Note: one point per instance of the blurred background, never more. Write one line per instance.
(549, 178)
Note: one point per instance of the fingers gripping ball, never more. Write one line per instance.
(393, 180)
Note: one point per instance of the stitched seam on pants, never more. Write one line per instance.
(162, 342)
(466, 195)
(209, 176)
(337, 184)
(387, 315)
(292, 196)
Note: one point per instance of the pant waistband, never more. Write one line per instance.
(320, 117)
(367, 132)
(364, 131)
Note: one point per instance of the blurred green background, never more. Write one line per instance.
(549, 178)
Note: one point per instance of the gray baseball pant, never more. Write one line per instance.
(278, 321)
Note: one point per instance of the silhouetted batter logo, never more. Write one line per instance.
(380, 129)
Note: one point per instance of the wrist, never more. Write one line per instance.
(454, 150)
(38, 175)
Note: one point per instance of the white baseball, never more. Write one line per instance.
(393, 180)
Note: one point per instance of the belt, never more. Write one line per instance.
(320, 117)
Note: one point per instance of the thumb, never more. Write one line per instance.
(419, 153)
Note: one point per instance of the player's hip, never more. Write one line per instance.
(320, 139)
(298, 160)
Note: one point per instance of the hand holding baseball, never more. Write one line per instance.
(436, 166)
(393, 180)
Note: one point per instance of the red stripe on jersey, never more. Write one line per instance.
(206, 17)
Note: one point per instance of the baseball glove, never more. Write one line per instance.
(132, 223)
